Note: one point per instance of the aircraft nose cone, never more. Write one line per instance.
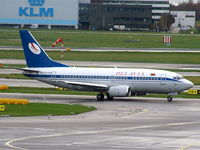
(188, 84)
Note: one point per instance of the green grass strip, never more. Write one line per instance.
(133, 57)
(14, 76)
(8, 66)
(194, 79)
(33, 90)
(102, 39)
(182, 70)
(44, 109)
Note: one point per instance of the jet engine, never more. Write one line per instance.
(119, 91)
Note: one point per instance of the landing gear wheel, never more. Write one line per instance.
(100, 97)
(169, 98)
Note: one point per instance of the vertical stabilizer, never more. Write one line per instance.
(34, 53)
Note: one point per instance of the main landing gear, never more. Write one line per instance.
(169, 98)
(109, 97)
(100, 97)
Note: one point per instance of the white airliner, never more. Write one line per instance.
(113, 82)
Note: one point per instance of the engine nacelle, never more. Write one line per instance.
(119, 91)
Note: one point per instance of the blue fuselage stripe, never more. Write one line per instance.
(100, 77)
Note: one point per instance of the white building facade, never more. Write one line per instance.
(183, 19)
(41, 12)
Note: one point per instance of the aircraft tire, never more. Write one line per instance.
(100, 97)
(169, 99)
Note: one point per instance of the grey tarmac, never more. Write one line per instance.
(125, 123)
(108, 49)
(113, 64)
(35, 83)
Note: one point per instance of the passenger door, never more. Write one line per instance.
(163, 79)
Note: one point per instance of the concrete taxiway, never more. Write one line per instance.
(114, 64)
(128, 123)
(108, 49)
(35, 83)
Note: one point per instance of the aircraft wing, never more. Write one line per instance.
(93, 86)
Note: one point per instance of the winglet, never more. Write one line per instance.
(34, 53)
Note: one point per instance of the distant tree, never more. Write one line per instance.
(166, 21)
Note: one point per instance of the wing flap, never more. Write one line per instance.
(88, 85)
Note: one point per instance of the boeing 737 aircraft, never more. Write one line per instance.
(112, 82)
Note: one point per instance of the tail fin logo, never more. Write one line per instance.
(34, 48)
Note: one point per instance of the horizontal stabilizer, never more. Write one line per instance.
(25, 69)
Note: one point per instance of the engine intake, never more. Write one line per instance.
(119, 91)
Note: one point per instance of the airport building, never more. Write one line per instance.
(184, 20)
(97, 16)
(121, 14)
(83, 14)
(39, 12)
(159, 7)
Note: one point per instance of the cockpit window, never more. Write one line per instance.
(178, 77)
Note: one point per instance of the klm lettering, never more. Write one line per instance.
(33, 12)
